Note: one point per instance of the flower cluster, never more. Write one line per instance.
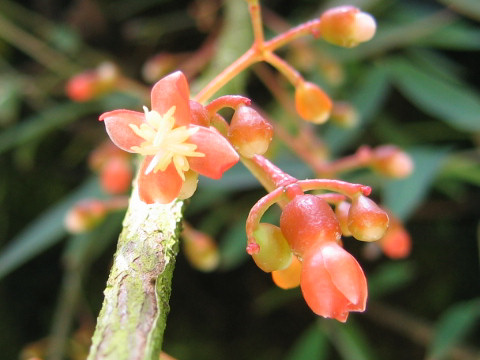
(307, 250)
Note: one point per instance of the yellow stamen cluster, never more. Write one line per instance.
(165, 142)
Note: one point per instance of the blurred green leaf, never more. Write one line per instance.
(41, 124)
(349, 341)
(463, 168)
(44, 232)
(232, 246)
(403, 196)
(389, 277)
(367, 98)
(452, 327)
(311, 344)
(455, 104)
(233, 41)
(470, 8)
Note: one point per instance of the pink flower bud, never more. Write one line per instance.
(92, 83)
(116, 175)
(312, 103)
(249, 132)
(396, 243)
(308, 220)
(391, 161)
(366, 220)
(332, 282)
(347, 26)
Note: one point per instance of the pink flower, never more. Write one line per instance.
(332, 282)
(175, 148)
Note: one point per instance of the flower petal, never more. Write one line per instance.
(346, 274)
(219, 154)
(158, 187)
(117, 125)
(173, 90)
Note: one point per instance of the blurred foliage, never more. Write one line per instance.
(415, 85)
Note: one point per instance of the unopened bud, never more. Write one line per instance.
(312, 103)
(288, 278)
(274, 253)
(85, 215)
(308, 220)
(366, 220)
(392, 161)
(200, 249)
(92, 83)
(347, 26)
(396, 243)
(116, 176)
(249, 132)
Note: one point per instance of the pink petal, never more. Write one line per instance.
(219, 154)
(346, 274)
(160, 187)
(172, 90)
(117, 125)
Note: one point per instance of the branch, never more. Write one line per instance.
(132, 321)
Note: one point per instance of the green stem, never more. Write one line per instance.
(134, 312)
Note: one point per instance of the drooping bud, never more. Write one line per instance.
(200, 249)
(396, 243)
(308, 220)
(249, 132)
(274, 253)
(347, 26)
(392, 161)
(85, 215)
(366, 220)
(332, 282)
(288, 278)
(312, 103)
(116, 175)
(341, 211)
(90, 84)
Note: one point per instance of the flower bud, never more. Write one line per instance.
(308, 220)
(249, 132)
(391, 161)
(200, 249)
(288, 278)
(396, 243)
(347, 26)
(116, 175)
(366, 220)
(332, 282)
(341, 211)
(92, 83)
(274, 253)
(85, 215)
(312, 103)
